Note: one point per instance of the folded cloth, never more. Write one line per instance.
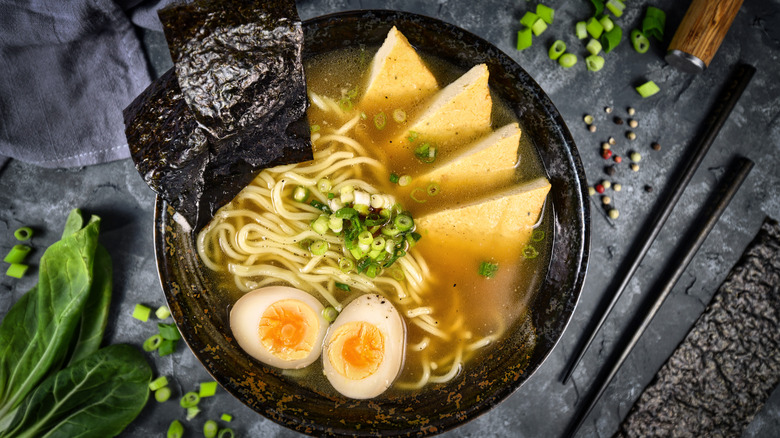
(724, 370)
(68, 69)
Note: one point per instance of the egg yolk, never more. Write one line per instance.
(356, 350)
(288, 329)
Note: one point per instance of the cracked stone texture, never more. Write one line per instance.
(542, 407)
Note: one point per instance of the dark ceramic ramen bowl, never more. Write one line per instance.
(202, 317)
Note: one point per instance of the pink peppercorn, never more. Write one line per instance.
(599, 188)
(606, 153)
(618, 158)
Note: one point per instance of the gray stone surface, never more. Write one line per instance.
(542, 407)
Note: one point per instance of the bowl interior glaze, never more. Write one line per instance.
(202, 317)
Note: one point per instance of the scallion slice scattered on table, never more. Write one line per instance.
(557, 49)
(647, 89)
(17, 254)
(227, 418)
(594, 62)
(207, 389)
(23, 233)
(189, 400)
(654, 22)
(226, 433)
(16, 270)
(616, 7)
(158, 383)
(141, 312)
(528, 19)
(567, 60)
(524, 38)
(210, 429)
(152, 343)
(546, 13)
(539, 27)
(162, 312)
(606, 23)
(593, 47)
(163, 394)
(611, 39)
(581, 30)
(594, 28)
(639, 41)
(175, 430)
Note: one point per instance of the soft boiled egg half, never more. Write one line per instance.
(364, 347)
(279, 326)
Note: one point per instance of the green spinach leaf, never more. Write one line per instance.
(97, 396)
(36, 333)
(95, 315)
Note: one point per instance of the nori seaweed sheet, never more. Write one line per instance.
(234, 103)
(724, 370)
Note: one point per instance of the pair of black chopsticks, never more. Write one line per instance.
(684, 253)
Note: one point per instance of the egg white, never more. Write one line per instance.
(245, 321)
(376, 310)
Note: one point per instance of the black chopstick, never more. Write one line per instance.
(714, 122)
(685, 252)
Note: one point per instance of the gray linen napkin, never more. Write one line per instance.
(67, 69)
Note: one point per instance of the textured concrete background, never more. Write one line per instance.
(543, 406)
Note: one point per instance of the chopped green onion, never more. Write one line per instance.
(17, 254)
(545, 13)
(169, 331)
(488, 270)
(378, 243)
(158, 383)
(524, 38)
(594, 28)
(162, 394)
(399, 115)
(365, 238)
(647, 89)
(567, 60)
(412, 136)
(411, 240)
(226, 433)
(331, 195)
(141, 312)
(616, 7)
(167, 346)
(24, 233)
(152, 343)
(320, 225)
(345, 103)
(530, 252)
(397, 274)
(639, 41)
(404, 180)
(581, 30)
(599, 5)
(346, 265)
(528, 19)
(415, 199)
(210, 429)
(345, 213)
(335, 224)
(343, 286)
(606, 23)
(433, 189)
(611, 39)
(315, 128)
(189, 400)
(324, 185)
(16, 270)
(162, 312)
(300, 194)
(403, 222)
(538, 236)
(394, 178)
(362, 208)
(175, 430)
(593, 47)
(192, 412)
(654, 22)
(557, 49)
(594, 62)
(372, 271)
(227, 418)
(391, 231)
(425, 153)
(207, 389)
(380, 120)
(539, 27)
(320, 206)
(319, 247)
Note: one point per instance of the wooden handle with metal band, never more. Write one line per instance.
(700, 34)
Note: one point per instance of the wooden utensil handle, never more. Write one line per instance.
(702, 30)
